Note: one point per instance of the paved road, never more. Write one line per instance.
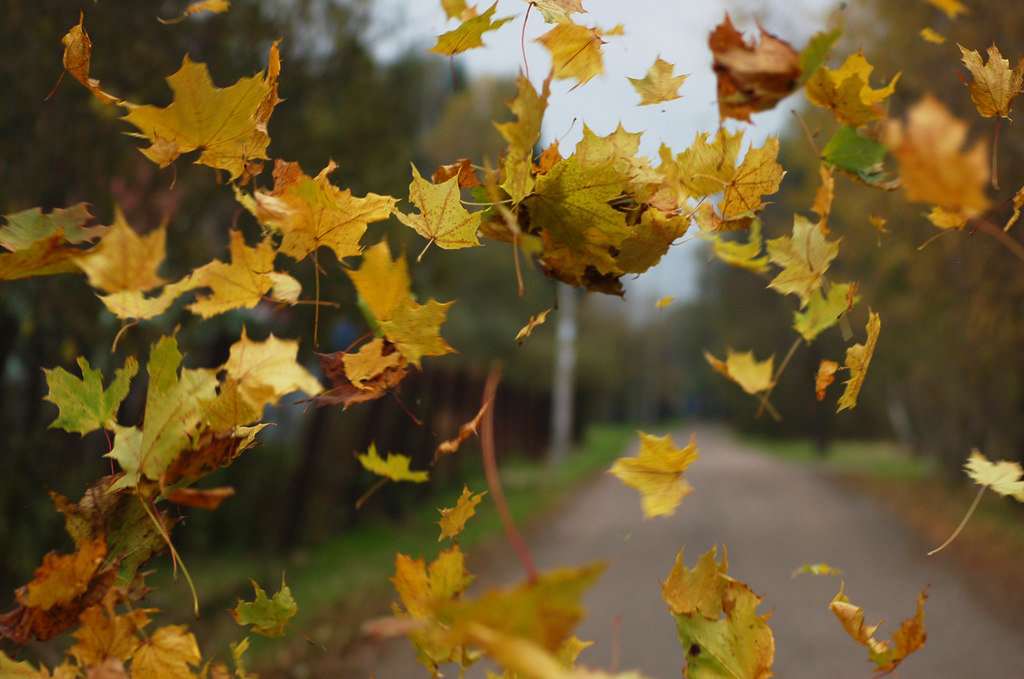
(772, 517)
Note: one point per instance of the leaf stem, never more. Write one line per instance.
(373, 489)
(176, 558)
(967, 516)
(995, 153)
(494, 481)
(765, 405)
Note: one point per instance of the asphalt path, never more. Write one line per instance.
(773, 517)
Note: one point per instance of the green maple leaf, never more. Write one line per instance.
(860, 157)
(469, 34)
(175, 409)
(267, 616)
(26, 227)
(84, 404)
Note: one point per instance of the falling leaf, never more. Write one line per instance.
(858, 357)
(465, 431)
(266, 371)
(201, 498)
(62, 579)
(77, 56)
(267, 616)
(664, 302)
(441, 219)
(167, 653)
(395, 467)
(373, 359)
(659, 84)
(310, 212)
(1018, 203)
(738, 254)
(454, 520)
(527, 329)
(84, 404)
(846, 91)
(951, 7)
(1003, 477)
(928, 35)
(933, 169)
(707, 168)
(123, 260)
(456, 9)
(825, 376)
(555, 11)
(859, 156)
(105, 635)
(822, 312)
(804, 257)
(752, 375)
(469, 34)
(886, 655)
(657, 472)
(717, 622)
(752, 77)
(228, 125)
(415, 330)
(994, 86)
(214, 6)
(576, 50)
(825, 196)
(462, 168)
(757, 176)
(816, 569)
(382, 282)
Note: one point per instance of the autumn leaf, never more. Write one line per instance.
(928, 35)
(825, 376)
(469, 33)
(757, 176)
(266, 371)
(664, 302)
(465, 431)
(84, 404)
(748, 255)
(815, 569)
(241, 284)
(846, 91)
(310, 212)
(528, 329)
(933, 168)
(373, 359)
(752, 77)
(105, 635)
(39, 243)
(462, 168)
(706, 168)
(994, 85)
(167, 653)
(267, 616)
(228, 125)
(395, 467)
(804, 257)
(650, 239)
(555, 11)
(858, 156)
(123, 260)
(415, 330)
(1003, 477)
(657, 472)
(576, 50)
(822, 312)
(441, 218)
(200, 498)
(858, 357)
(886, 655)
(214, 6)
(382, 282)
(62, 579)
(454, 520)
(752, 375)
(717, 621)
(77, 57)
(951, 7)
(659, 84)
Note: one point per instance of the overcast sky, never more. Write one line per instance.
(675, 30)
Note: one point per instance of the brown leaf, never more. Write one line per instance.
(751, 77)
(465, 431)
(200, 498)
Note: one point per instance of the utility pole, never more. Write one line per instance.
(564, 380)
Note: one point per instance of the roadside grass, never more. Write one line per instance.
(987, 553)
(343, 581)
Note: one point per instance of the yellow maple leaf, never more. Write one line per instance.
(63, 578)
(752, 375)
(1003, 477)
(576, 50)
(240, 284)
(659, 84)
(858, 357)
(822, 312)
(804, 257)
(213, 6)
(266, 371)
(995, 86)
(815, 569)
(657, 472)
(311, 212)
(846, 91)
(124, 260)
(555, 11)
(469, 33)
(370, 362)
(382, 282)
(706, 168)
(453, 520)
(933, 168)
(758, 175)
(228, 125)
(167, 653)
(951, 7)
(441, 218)
(664, 302)
(415, 330)
(527, 329)
(928, 35)
(395, 467)
(746, 255)
(886, 655)
(104, 634)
